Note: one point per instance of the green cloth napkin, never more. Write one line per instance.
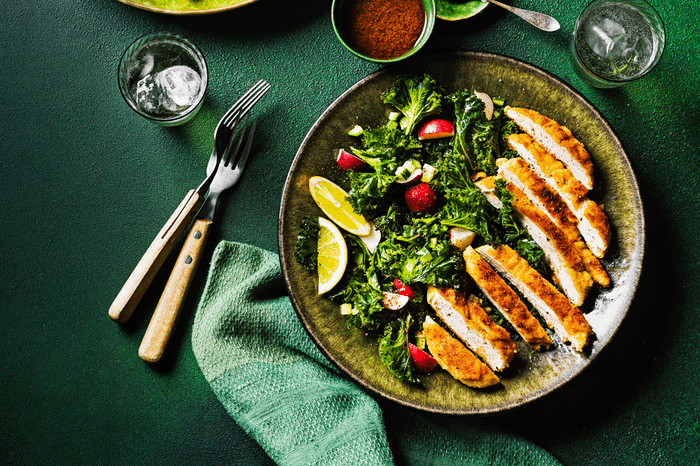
(284, 393)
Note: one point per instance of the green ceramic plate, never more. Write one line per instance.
(456, 10)
(186, 7)
(532, 374)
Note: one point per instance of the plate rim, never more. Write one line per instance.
(166, 11)
(640, 228)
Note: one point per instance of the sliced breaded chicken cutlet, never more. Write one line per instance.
(473, 326)
(518, 172)
(455, 358)
(560, 254)
(558, 140)
(505, 300)
(592, 223)
(567, 321)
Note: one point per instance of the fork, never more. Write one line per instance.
(168, 309)
(150, 263)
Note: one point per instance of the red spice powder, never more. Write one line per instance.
(383, 29)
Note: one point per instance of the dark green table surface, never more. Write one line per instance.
(86, 184)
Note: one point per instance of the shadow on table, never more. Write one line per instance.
(135, 327)
(258, 18)
(627, 364)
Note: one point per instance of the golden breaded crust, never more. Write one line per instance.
(476, 321)
(455, 358)
(564, 258)
(517, 171)
(552, 169)
(572, 152)
(565, 261)
(555, 235)
(592, 223)
(541, 194)
(506, 300)
(568, 321)
(591, 263)
(595, 219)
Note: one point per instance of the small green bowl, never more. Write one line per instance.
(428, 24)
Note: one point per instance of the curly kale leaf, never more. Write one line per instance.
(368, 190)
(362, 289)
(394, 352)
(392, 221)
(508, 127)
(414, 98)
(383, 148)
(366, 301)
(468, 208)
(306, 249)
(388, 138)
(422, 253)
(513, 235)
(465, 206)
(477, 138)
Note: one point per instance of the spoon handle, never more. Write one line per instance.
(539, 20)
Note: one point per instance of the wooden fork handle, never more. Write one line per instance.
(140, 279)
(168, 309)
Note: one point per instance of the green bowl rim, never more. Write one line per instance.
(430, 12)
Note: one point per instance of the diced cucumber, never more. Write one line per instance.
(407, 168)
(499, 102)
(420, 340)
(356, 130)
(429, 173)
(403, 172)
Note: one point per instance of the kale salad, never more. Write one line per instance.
(449, 139)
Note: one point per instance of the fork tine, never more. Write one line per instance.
(241, 101)
(228, 155)
(240, 163)
(250, 101)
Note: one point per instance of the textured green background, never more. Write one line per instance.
(86, 184)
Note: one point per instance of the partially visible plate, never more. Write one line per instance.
(456, 10)
(533, 374)
(187, 7)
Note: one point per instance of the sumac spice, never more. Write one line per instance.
(383, 29)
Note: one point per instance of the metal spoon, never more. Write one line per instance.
(539, 20)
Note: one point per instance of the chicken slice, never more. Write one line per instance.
(567, 321)
(457, 360)
(505, 300)
(518, 172)
(548, 167)
(560, 254)
(473, 326)
(558, 140)
(592, 223)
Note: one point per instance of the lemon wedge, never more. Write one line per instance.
(331, 199)
(332, 255)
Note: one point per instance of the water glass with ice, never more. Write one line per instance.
(163, 77)
(616, 41)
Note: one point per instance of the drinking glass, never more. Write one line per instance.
(163, 77)
(616, 41)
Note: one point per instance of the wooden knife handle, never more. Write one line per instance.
(168, 309)
(147, 268)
